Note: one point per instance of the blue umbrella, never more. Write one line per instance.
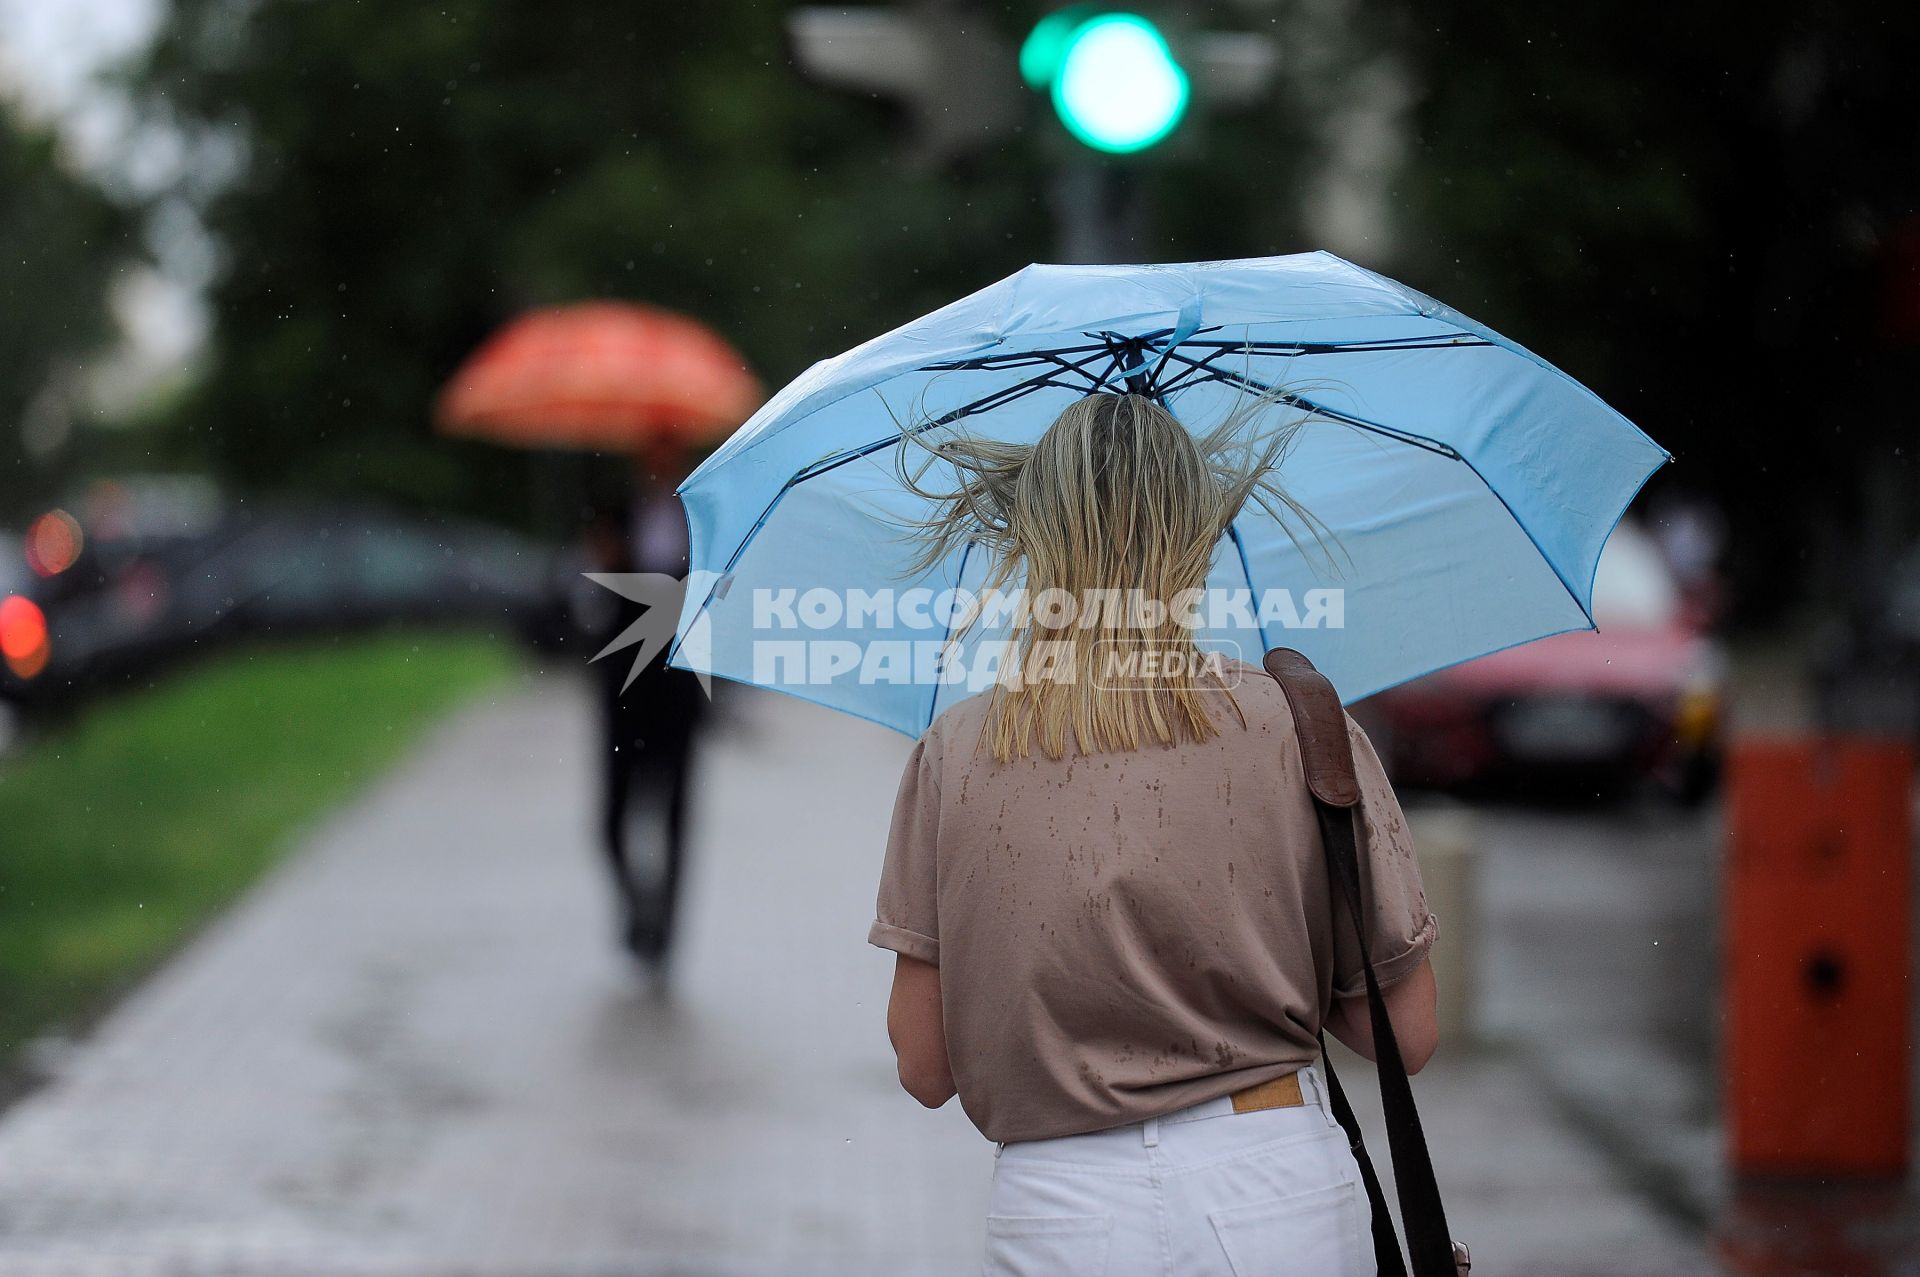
(1468, 484)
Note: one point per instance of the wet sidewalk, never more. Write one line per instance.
(414, 1052)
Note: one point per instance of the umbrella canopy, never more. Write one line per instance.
(1469, 484)
(603, 375)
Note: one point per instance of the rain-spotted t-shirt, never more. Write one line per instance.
(1124, 934)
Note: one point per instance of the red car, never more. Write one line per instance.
(1641, 698)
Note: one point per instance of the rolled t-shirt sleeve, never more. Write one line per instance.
(906, 915)
(1401, 930)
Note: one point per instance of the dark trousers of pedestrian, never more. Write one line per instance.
(650, 729)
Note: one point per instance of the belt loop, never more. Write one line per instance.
(1151, 1129)
(1320, 1095)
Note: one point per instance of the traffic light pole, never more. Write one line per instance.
(1099, 212)
(1114, 79)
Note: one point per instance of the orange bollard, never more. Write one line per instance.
(1817, 955)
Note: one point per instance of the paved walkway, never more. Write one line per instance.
(413, 1053)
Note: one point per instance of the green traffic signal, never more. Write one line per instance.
(1047, 43)
(1115, 83)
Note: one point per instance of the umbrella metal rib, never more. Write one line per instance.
(1204, 372)
(1116, 348)
(1418, 441)
(1100, 343)
(1246, 569)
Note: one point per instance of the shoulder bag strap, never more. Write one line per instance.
(1387, 1261)
(1326, 751)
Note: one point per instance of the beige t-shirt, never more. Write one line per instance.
(1121, 935)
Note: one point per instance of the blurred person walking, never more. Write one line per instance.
(621, 377)
(1691, 532)
(1117, 939)
(650, 727)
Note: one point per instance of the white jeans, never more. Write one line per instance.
(1205, 1192)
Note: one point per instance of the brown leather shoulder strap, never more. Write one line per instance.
(1321, 724)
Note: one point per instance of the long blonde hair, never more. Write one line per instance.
(1117, 495)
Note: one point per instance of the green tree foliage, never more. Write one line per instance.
(63, 242)
(1696, 216)
(414, 174)
(1700, 212)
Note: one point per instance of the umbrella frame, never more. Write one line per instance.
(1127, 372)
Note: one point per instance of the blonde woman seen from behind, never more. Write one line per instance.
(1106, 890)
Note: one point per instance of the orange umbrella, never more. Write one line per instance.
(609, 376)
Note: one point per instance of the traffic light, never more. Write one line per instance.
(1114, 80)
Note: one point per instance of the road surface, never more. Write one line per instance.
(413, 1052)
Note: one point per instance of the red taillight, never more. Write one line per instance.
(23, 635)
(53, 542)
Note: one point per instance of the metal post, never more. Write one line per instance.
(1099, 216)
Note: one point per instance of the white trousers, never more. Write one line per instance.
(1205, 1192)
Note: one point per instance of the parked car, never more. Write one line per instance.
(1640, 698)
(136, 597)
